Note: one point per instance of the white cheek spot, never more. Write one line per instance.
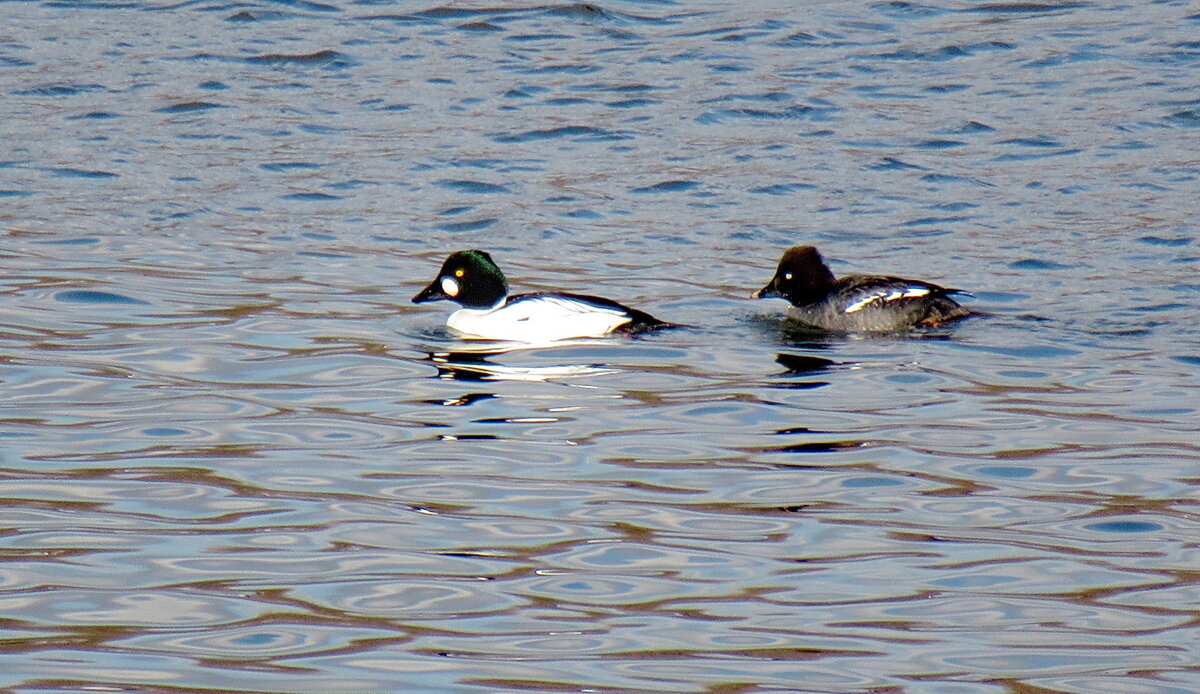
(449, 286)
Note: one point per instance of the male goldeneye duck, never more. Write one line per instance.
(472, 279)
(856, 302)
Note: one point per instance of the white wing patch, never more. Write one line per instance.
(550, 307)
(885, 295)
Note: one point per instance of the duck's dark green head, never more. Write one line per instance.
(469, 278)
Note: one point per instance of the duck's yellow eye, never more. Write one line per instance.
(459, 272)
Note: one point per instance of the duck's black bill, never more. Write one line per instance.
(431, 293)
(767, 292)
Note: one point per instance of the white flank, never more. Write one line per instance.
(538, 319)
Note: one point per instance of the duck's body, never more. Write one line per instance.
(856, 303)
(472, 279)
(548, 316)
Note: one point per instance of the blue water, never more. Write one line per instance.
(237, 458)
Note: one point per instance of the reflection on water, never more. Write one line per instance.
(474, 366)
(236, 458)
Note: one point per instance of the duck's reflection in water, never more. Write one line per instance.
(801, 365)
(796, 364)
(475, 364)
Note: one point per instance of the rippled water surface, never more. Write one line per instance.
(236, 458)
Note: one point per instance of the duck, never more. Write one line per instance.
(857, 303)
(473, 280)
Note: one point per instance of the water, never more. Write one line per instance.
(236, 458)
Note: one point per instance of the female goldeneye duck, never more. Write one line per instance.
(856, 302)
(472, 279)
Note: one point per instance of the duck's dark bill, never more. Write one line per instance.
(767, 292)
(431, 293)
